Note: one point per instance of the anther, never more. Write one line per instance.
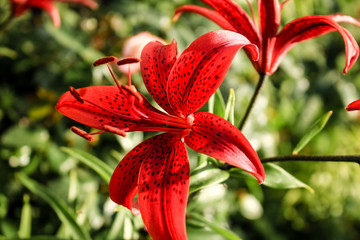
(105, 60)
(128, 61)
(132, 90)
(76, 95)
(114, 130)
(82, 133)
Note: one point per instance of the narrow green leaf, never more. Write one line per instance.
(277, 177)
(215, 227)
(217, 104)
(63, 212)
(206, 176)
(312, 132)
(230, 105)
(104, 170)
(25, 220)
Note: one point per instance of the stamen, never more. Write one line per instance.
(132, 90)
(128, 61)
(113, 76)
(82, 133)
(114, 130)
(105, 60)
(76, 95)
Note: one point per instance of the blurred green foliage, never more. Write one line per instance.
(45, 186)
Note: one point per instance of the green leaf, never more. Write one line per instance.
(277, 177)
(217, 104)
(230, 105)
(215, 227)
(206, 176)
(88, 54)
(19, 136)
(7, 52)
(66, 216)
(312, 132)
(25, 220)
(104, 170)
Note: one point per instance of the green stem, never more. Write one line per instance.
(262, 78)
(314, 158)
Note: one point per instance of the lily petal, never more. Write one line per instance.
(90, 3)
(103, 105)
(353, 106)
(124, 180)
(157, 60)
(216, 137)
(49, 7)
(237, 17)
(208, 13)
(201, 68)
(269, 14)
(309, 27)
(163, 188)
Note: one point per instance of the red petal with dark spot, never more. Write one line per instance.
(216, 137)
(109, 106)
(353, 106)
(124, 180)
(163, 188)
(208, 13)
(237, 17)
(309, 27)
(157, 60)
(201, 68)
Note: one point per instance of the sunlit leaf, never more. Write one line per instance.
(230, 106)
(62, 210)
(206, 176)
(217, 104)
(215, 227)
(104, 170)
(277, 177)
(19, 136)
(312, 132)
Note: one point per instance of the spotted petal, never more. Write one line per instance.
(104, 105)
(163, 188)
(157, 60)
(309, 27)
(201, 68)
(216, 137)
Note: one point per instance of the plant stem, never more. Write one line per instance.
(314, 158)
(262, 79)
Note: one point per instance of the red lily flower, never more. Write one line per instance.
(273, 45)
(355, 105)
(158, 168)
(19, 7)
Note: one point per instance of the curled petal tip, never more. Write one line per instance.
(353, 106)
